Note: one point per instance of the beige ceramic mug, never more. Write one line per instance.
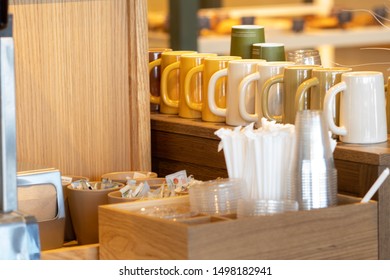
(170, 81)
(291, 78)
(235, 72)
(210, 65)
(264, 72)
(362, 108)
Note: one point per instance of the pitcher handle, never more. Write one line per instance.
(328, 108)
(187, 82)
(211, 93)
(265, 96)
(242, 91)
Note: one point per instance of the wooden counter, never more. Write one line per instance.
(179, 143)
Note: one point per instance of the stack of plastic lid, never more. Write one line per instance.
(216, 197)
(254, 207)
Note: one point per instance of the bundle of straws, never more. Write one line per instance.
(261, 157)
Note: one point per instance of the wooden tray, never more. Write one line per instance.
(347, 231)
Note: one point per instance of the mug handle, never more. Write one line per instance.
(242, 91)
(265, 95)
(328, 108)
(154, 99)
(187, 83)
(164, 85)
(302, 89)
(221, 112)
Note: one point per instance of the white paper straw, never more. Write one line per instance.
(375, 186)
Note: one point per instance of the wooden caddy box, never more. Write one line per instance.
(346, 231)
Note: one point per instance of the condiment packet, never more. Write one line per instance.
(65, 180)
(135, 191)
(176, 180)
(82, 185)
(106, 184)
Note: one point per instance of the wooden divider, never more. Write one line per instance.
(82, 85)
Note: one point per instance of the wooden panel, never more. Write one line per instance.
(81, 86)
(355, 178)
(186, 148)
(200, 172)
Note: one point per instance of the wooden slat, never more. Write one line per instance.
(139, 85)
(81, 85)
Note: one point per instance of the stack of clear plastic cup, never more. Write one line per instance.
(305, 57)
(314, 175)
(216, 197)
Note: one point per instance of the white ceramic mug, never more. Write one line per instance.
(264, 71)
(235, 72)
(362, 108)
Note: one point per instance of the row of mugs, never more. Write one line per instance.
(354, 102)
(225, 92)
(179, 83)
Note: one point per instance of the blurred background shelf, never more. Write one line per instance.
(327, 41)
(321, 30)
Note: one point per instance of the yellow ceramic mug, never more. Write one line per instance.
(208, 68)
(169, 91)
(191, 85)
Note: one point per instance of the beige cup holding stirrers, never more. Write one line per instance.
(83, 206)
